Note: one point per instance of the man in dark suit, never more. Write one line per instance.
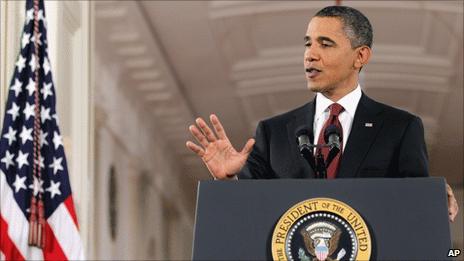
(391, 145)
(376, 140)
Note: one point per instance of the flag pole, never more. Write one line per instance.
(37, 219)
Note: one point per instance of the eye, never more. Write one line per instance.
(307, 44)
(326, 44)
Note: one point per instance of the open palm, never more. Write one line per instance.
(216, 151)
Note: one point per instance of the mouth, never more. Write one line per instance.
(312, 72)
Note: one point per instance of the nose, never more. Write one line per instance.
(311, 54)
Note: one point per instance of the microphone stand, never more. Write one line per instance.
(308, 155)
(332, 154)
(317, 164)
(321, 167)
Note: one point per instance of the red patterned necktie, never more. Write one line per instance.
(335, 110)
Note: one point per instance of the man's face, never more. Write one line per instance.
(328, 58)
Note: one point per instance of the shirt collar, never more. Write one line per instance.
(349, 102)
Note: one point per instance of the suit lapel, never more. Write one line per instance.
(302, 117)
(366, 124)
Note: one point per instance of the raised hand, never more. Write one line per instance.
(216, 151)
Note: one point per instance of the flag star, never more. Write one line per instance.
(45, 114)
(22, 159)
(33, 38)
(8, 159)
(47, 90)
(57, 140)
(54, 188)
(25, 40)
(26, 134)
(16, 87)
(29, 110)
(13, 111)
(21, 63)
(33, 64)
(41, 162)
(36, 186)
(19, 183)
(41, 15)
(55, 116)
(43, 138)
(10, 136)
(31, 86)
(56, 165)
(46, 66)
(29, 15)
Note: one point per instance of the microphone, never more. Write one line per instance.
(303, 139)
(332, 137)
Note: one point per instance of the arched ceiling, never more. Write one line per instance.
(243, 61)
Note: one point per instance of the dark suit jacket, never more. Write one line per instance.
(393, 147)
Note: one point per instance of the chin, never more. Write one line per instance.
(315, 88)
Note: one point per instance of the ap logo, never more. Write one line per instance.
(454, 252)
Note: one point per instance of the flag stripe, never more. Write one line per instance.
(58, 223)
(7, 247)
(70, 206)
(68, 236)
(18, 226)
(52, 249)
(17, 223)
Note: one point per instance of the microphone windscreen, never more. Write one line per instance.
(330, 130)
(303, 130)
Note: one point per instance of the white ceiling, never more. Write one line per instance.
(243, 61)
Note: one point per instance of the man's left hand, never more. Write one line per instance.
(452, 203)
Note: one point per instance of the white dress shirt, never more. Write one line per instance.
(349, 103)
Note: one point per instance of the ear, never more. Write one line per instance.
(363, 56)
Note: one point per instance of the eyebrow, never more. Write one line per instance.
(320, 39)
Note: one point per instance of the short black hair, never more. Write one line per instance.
(355, 24)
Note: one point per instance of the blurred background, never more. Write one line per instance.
(132, 75)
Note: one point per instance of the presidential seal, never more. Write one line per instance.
(321, 229)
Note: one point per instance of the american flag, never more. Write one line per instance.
(23, 136)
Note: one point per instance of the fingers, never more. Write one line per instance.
(199, 136)
(195, 148)
(203, 134)
(248, 147)
(206, 130)
(453, 207)
(449, 190)
(218, 127)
